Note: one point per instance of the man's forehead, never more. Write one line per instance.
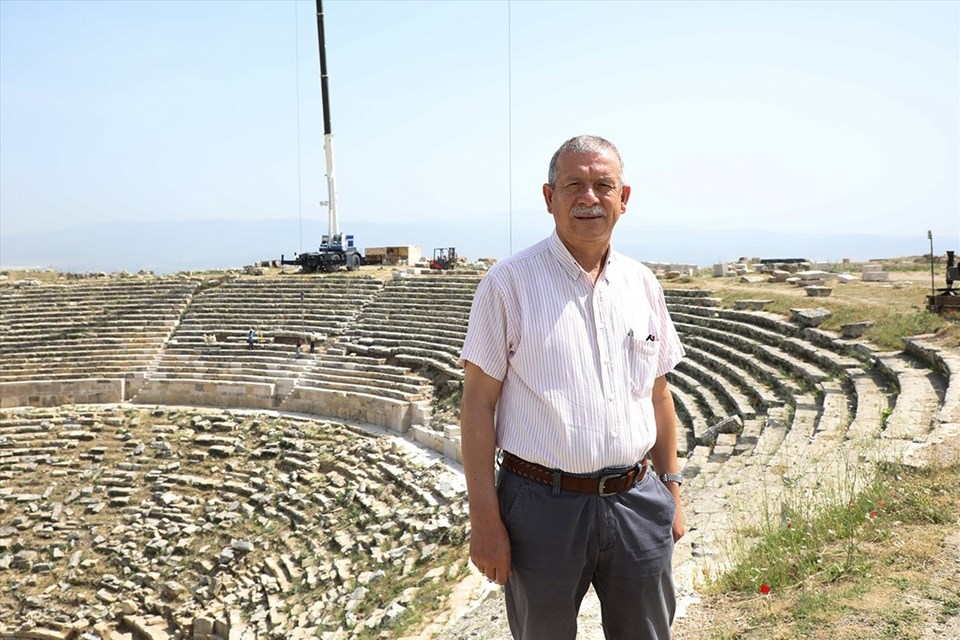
(596, 161)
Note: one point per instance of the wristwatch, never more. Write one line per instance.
(671, 477)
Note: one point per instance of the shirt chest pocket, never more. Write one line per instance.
(643, 357)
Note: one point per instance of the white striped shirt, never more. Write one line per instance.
(577, 360)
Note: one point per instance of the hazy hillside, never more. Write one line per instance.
(166, 247)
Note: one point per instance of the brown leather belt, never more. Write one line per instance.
(603, 485)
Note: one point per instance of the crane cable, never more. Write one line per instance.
(296, 40)
(510, 127)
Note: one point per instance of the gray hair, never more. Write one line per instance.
(582, 144)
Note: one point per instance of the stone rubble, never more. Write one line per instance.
(293, 528)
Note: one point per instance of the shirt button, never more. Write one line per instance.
(614, 435)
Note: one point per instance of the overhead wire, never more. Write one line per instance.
(296, 40)
(510, 126)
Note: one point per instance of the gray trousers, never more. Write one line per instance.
(562, 542)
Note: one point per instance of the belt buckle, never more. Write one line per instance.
(601, 489)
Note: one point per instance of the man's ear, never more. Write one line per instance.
(624, 196)
(548, 197)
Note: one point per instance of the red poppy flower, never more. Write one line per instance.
(764, 589)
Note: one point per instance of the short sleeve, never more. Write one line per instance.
(486, 343)
(671, 349)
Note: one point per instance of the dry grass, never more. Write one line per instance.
(897, 308)
(906, 585)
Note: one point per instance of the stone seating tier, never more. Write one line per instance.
(767, 373)
(220, 311)
(60, 333)
(267, 356)
(426, 298)
(733, 400)
(710, 405)
(687, 293)
(827, 352)
(104, 369)
(427, 283)
(702, 302)
(395, 391)
(395, 347)
(448, 341)
(73, 350)
(215, 375)
(383, 373)
(453, 326)
(835, 411)
(407, 317)
(227, 352)
(760, 393)
(693, 421)
(435, 326)
(767, 352)
(335, 356)
(454, 311)
(468, 282)
(914, 414)
(419, 361)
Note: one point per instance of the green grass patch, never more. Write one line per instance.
(844, 570)
(804, 540)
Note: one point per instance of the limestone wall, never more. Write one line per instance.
(395, 415)
(247, 395)
(53, 393)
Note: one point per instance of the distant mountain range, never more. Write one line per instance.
(167, 247)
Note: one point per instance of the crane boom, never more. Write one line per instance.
(332, 218)
(336, 250)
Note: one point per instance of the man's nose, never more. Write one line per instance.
(587, 196)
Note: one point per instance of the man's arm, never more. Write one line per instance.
(489, 542)
(664, 452)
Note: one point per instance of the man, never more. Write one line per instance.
(565, 357)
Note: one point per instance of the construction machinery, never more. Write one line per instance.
(946, 300)
(444, 258)
(336, 249)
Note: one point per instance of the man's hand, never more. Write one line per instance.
(489, 542)
(679, 526)
(664, 451)
(490, 548)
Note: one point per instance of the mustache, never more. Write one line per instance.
(581, 211)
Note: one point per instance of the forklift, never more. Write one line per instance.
(444, 258)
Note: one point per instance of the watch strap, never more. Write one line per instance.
(671, 477)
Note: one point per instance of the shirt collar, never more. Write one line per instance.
(570, 266)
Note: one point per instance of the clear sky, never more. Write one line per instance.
(792, 116)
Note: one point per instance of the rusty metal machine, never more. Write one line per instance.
(444, 258)
(946, 300)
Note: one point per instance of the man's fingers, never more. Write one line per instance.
(494, 575)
